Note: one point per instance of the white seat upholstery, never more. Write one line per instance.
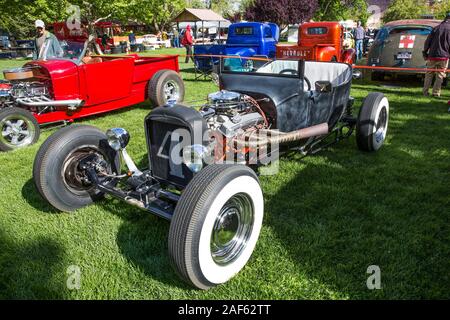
(336, 73)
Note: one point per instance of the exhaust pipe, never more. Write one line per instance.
(255, 140)
(46, 102)
(317, 130)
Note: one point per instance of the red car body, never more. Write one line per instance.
(63, 89)
(115, 82)
(318, 41)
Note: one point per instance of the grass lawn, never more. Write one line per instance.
(327, 219)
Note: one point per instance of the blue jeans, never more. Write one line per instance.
(359, 49)
(176, 42)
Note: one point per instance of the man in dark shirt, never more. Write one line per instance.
(437, 52)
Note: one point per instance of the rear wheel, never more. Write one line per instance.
(56, 171)
(216, 225)
(372, 123)
(164, 86)
(18, 129)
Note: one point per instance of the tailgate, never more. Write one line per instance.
(294, 51)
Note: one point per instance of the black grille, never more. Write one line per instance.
(160, 126)
(162, 143)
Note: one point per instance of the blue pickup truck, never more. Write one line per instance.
(245, 39)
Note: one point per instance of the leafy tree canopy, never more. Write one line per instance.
(282, 12)
(405, 9)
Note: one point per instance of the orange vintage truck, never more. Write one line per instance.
(318, 41)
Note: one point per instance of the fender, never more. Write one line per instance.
(326, 53)
(348, 56)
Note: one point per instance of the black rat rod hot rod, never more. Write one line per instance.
(203, 162)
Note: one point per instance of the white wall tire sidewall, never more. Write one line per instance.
(213, 272)
(383, 103)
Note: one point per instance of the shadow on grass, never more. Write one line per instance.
(357, 209)
(34, 199)
(28, 269)
(142, 239)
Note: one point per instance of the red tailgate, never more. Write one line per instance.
(295, 51)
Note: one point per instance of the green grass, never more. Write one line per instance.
(327, 218)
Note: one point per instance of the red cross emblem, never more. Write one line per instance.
(407, 42)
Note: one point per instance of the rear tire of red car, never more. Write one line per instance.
(372, 122)
(56, 173)
(18, 129)
(164, 86)
(216, 225)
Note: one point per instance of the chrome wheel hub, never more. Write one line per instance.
(171, 90)
(16, 131)
(380, 133)
(232, 229)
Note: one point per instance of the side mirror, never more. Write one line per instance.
(323, 86)
(357, 74)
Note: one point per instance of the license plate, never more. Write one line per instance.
(404, 55)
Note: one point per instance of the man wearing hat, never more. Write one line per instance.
(46, 45)
(437, 52)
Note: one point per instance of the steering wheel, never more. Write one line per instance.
(295, 72)
(290, 71)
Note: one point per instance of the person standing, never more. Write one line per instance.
(188, 42)
(132, 38)
(436, 52)
(46, 45)
(176, 38)
(359, 35)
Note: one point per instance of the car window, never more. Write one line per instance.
(282, 68)
(411, 31)
(267, 32)
(243, 31)
(317, 30)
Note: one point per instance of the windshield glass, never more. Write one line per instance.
(287, 68)
(71, 50)
(411, 31)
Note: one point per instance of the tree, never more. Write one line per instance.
(157, 13)
(405, 9)
(441, 8)
(282, 12)
(17, 16)
(337, 10)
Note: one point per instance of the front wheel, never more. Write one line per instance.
(18, 129)
(372, 123)
(57, 173)
(216, 225)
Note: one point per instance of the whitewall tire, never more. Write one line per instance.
(216, 225)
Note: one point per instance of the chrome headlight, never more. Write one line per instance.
(118, 138)
(195, 156)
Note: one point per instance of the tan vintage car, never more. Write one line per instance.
(400, 44)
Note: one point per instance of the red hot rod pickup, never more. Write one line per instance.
(78, 85)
